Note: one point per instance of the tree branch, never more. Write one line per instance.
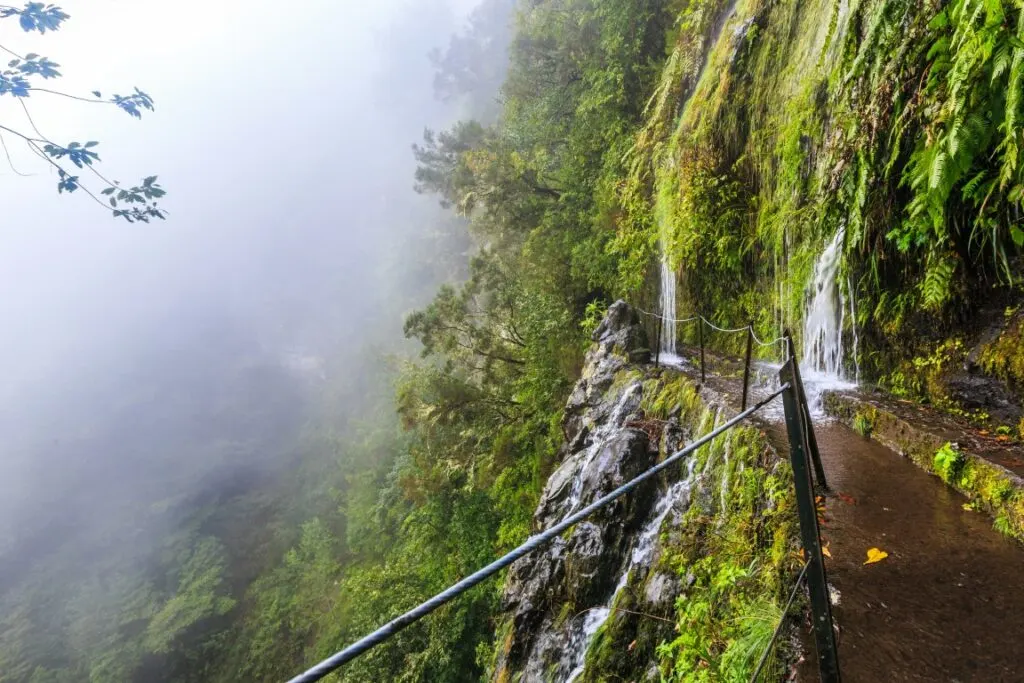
(90, 100)
(9, 161)
(33, 144)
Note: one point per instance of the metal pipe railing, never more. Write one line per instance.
(532, 544)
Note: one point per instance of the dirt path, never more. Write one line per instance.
(944, 605)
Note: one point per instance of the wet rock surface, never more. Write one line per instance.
(598, 604)
(556, 596)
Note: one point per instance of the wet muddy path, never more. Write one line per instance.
(945, 605)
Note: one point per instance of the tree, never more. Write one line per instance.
(480, 172)
(23, 77)
(474, 64)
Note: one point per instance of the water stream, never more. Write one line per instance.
(823, 363)
(823, 332)
(626, 404)
(641, 555)
(668, 306)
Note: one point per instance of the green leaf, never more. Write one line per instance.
(1018, 235)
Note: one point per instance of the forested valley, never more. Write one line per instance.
(298, 478)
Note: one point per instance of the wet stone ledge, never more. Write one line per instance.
(981, 467)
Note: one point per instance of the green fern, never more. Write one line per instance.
(936, 289)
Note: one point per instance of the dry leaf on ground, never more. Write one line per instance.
(876, 555)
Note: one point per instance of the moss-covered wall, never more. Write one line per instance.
(779, 123)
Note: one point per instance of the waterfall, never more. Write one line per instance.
(853, 326)
(667, 343)
(641, 554)
(823, 329)
(668, 306)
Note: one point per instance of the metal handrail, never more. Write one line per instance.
(533, 543)
(803, 447)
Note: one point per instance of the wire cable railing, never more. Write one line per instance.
(723, 329)
(803, 448)
(752, 339)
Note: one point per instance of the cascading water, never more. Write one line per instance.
(667, 343)
(627, 403)
(641, 554)
(823, 333)
(822, 363)
(668, 306)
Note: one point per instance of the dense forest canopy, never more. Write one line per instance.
(299, 472)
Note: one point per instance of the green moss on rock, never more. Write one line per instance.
(733, 554)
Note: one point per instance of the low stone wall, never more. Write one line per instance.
(989, 486)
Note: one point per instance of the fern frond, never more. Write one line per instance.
(936, 179)
(936, 289)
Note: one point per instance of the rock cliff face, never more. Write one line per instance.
(600, 599)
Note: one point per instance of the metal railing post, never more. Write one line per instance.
(808, 426)
(817, 581)
(700, 338)
(746, 364)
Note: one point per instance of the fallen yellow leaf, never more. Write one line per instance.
(876, 555)
(968, 506)
(825, 551)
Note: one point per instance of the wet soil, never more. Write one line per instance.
(943, 606)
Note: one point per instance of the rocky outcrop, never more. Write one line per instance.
(596, 603)
(603, 450)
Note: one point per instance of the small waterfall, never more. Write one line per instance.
(627, 403)
(668, 307)
(709, 448)
(667, 343)
(641, 555)
(823, 329)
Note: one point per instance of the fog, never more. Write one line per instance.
(282, 134)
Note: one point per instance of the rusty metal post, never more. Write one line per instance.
(700, 338)
(746, 364)
(808, 426)
(817, 581)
